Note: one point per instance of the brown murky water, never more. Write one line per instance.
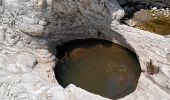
(160, 24)
(99, 67)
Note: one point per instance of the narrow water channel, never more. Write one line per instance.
(100, 67)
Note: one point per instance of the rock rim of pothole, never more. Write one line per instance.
(30, 30)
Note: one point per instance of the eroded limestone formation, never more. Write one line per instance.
(30, 29)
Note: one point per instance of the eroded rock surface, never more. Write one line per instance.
(30, 29)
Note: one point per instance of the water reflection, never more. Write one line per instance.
(99, 67)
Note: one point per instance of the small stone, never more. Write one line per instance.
(20, 44)
(30, 20)
(12, 68)
(155, 17)
(27, 40)
(42, 23)
(154, 8)
(2, 33)
(162, 9)
(26, 59)
(42, 4)
(168, 57)
(1, 10)
(34, 30)
(11, 37)
(153, 14)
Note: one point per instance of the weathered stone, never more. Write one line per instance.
(2, 35)
(26, 64)
(42, 23)
(34, 30)
(42, 4)
(168, 57)
(26, 59)
(30, 20)
(11, 37)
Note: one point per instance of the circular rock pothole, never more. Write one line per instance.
(98, 66)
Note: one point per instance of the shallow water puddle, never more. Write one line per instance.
(100, 67)
(157, 21)
(159, 26)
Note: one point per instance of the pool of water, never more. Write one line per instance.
(100, 67)
(156, 21)
(160, 26)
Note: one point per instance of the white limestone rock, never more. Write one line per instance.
(34, 30)
(29, 29)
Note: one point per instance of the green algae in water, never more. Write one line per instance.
(100, 67)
